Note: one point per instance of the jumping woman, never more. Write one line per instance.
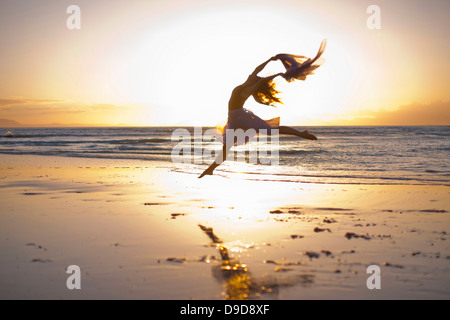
(263, 90)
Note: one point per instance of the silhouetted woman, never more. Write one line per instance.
(263, 90)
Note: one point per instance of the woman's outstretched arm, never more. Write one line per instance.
(262, 66)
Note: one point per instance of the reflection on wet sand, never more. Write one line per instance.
(238, 282)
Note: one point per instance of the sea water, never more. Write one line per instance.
(348, 155)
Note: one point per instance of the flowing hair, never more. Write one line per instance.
(267, 93)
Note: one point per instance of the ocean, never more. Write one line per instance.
(412, 155)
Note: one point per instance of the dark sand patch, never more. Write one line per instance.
(38, 260)
(175, 215)
(32, 193)
(176, 260)
(332, 209)
(317, 229)
(350, 235)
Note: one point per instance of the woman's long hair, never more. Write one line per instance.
(267, 93)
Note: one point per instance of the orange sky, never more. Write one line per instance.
(176, 62)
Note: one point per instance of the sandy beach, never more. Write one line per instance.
(146, 231)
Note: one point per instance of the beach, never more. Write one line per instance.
(144, 230)
(193, 153)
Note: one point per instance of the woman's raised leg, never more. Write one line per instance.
(303, 134)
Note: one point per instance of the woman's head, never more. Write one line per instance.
(266, 93)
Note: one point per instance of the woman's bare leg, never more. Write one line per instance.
(303, 134)
(221, 157)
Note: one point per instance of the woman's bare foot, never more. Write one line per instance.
(208, 171)
(307, 135)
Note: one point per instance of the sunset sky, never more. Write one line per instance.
(175, 62)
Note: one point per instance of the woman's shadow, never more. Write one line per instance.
(238, 282)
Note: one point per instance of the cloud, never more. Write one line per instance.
(47, 106)
(106, 107)
(436, 113)
(37, 109)
(5, 103)
(414, 114)
(37, 106)
(45, 111)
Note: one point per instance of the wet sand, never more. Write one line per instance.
(139, 230)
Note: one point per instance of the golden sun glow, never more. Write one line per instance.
(190, 67)
(176, 62)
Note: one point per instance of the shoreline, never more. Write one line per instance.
(186, 168)
(134, 230)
